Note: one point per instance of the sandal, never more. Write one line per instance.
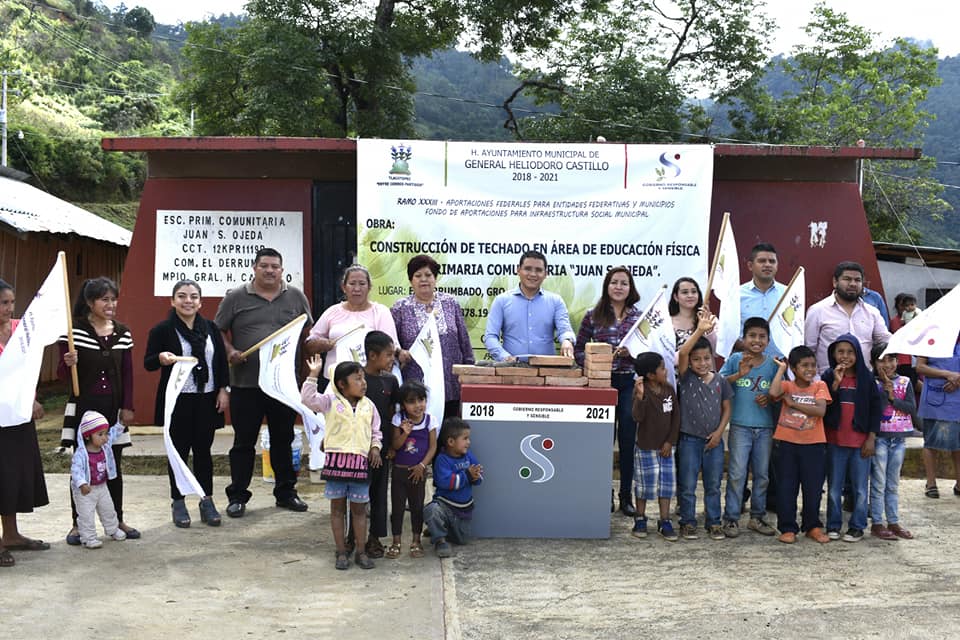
(28, 545)
(6, 559)
(374, 548)
(416, 550)
(393, 551)
(932, 492)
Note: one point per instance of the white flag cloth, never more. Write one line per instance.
(786, 325)
(349, 348)
(726, 286)
(653, 331)
(933, 333)
(425, 350)
(179, 374)
(278, 366)
(44, 321)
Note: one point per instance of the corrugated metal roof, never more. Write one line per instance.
(31, 210)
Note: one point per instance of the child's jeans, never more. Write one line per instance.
(748, 446)
(98, 501)
(800, 468)
(692, 458)
(443, 522)
(885, 479)
(843, 463)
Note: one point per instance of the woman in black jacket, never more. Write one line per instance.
(201, 403)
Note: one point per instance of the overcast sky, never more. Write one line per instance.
(921, 19)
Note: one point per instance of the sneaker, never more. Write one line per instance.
(853, 535)
(119, 535)
(787, 537)
(833, 534)
(640, 528)
(715, 532)
(761, 527)
(817, 535)
(731, 529)
(665, 529)
(688, 532)
(93, 544)
(443, 549)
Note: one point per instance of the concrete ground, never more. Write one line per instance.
(272, 573)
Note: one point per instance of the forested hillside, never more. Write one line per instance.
(78, 71)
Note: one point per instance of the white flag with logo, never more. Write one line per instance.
(180, 372)
(653, 331)
(44, 321)
(349, 348)
(726, 286)
(425, 350)
(278, 366)
(933, 333)
(786, 323)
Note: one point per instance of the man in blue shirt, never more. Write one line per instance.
(759, 296)
(524, 321)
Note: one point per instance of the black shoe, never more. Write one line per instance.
(294, 503)
(236, 509)
(181, 518)
(208, 512)
(627, 508)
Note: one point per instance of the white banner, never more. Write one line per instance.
(653, 331)
(475, 207)
(786, 324)
(726, 286)
(44, 321)
(427, 352)
(216, 248)
(278, 366)
(180, 372)
(933, 333)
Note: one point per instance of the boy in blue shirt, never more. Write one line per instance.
(750, 372)
(455, 471)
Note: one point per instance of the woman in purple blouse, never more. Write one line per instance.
(410, 314)
(610, 321)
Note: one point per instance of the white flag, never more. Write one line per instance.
(278, 366)
(44, 321)
(180, 372)
(786, 325)
(726, 286)
(653, 331)
(427, 353)
(349, 348)
(933, 333)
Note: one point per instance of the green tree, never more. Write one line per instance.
(362, 52)
(627, 69)
(140, 20)
(840, 90)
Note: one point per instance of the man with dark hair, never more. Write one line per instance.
(523, 321)
(247, 315)
(759, 295)
(843, 311)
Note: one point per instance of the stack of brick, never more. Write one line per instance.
(549, 371)
(598, 363)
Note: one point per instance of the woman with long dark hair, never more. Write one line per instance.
(610, 321)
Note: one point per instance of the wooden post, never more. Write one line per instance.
(62, 258)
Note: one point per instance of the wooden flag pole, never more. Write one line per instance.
(354, 330)
(184, 359)
(273, 335)
(62, 258)
(785, 293)
(716, 258)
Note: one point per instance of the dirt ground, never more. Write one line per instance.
(272, 573)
